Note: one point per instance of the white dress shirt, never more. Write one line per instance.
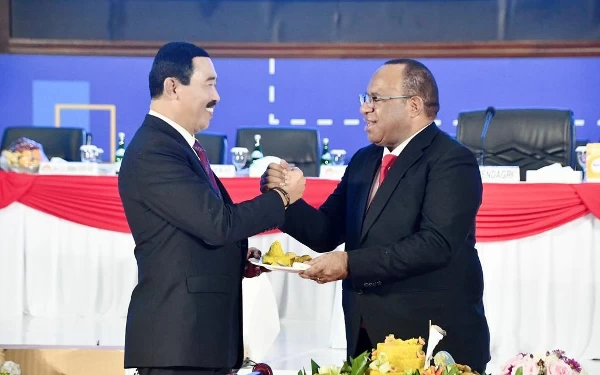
(395, 152)
(186, 135)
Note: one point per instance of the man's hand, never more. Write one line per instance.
(253, 253)
(327, 267)
(252, 270)
(274, 176)
(288, 178)
(295, 184)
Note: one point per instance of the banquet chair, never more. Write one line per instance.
(527, 138)
(215, 145)
(297, 146)
(57, 142)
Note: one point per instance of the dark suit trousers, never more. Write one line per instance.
(181, 371)
(364, 343)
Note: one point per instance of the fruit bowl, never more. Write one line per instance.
(23, 156)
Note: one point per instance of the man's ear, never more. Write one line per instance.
(417, 106)
(170, 86)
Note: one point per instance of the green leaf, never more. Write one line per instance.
(346, 369)
(315, 367)
(300, 372)
(360, 363)
(451, 370)
(519, 371)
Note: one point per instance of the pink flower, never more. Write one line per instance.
(530, 368)
(559, 368)
(511, 364)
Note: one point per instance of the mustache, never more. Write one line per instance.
(211, 104)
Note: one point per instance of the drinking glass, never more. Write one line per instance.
(338, 157)
(88, 153)
(239, 157)
(581, 157)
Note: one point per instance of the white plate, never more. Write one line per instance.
(296, 267)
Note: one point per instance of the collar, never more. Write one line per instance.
(401, 146)
(190, 139)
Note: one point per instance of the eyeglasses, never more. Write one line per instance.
(366, 98)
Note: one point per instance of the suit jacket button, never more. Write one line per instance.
(359, 291)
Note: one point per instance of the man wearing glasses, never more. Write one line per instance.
(405, 210)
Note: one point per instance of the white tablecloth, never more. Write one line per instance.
(54, 268)
(541, 292)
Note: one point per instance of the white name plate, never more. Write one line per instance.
(223, 170)
(500, 174)
(76, 168)
(332, 172)
(555, 177)
(70, 168)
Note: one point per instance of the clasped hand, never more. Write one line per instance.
(290, 179)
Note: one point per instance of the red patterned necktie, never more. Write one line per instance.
(201, 152)
(386, 164)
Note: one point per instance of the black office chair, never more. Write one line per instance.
(527, 138)
(299, 146)
(57, 142)
(215, 146)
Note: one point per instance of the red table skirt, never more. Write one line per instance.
(509, 211)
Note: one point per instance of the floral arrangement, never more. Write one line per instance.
(378, 363)
(355, 366)
(549, 363)
(10, 368)
(444, 365)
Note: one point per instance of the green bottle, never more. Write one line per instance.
(325, 154)
(257, 152)
(120, 152)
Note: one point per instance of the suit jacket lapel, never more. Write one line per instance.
(409, 156)
(169, 130)
(369, 170)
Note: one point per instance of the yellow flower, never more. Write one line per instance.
(331, 370)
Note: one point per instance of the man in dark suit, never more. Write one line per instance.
(405, 209)
(185, 314)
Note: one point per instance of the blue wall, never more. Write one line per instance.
(308, 89)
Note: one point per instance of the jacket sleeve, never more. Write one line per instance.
(173, 190)
(321, 229)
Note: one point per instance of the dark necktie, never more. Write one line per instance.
(201, 152)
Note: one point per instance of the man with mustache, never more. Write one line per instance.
(405, 210)
(185, 314)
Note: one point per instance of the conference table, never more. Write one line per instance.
(66, 250)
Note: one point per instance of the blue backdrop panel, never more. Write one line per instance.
(47, 93)
(260, 92)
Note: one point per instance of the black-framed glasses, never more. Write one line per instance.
(370, 99)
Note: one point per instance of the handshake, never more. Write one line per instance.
(289, 179)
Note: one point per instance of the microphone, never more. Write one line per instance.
(489, 114)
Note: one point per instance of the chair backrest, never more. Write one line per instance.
(528, 138)
(296, 145)
(215, 146)
(57, 142)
